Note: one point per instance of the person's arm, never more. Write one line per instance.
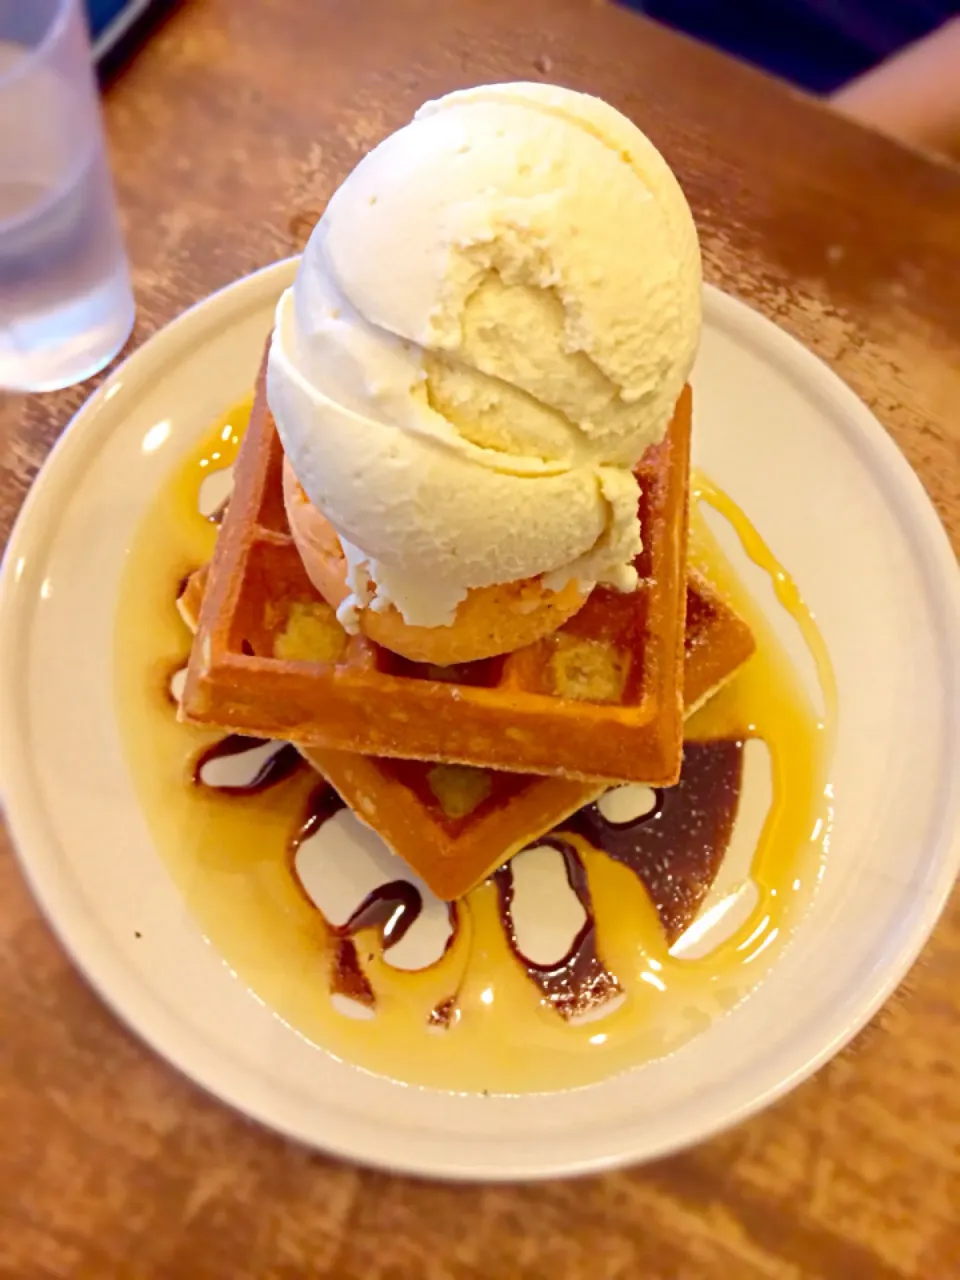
(915, 95)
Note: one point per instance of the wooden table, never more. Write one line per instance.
(228, 132)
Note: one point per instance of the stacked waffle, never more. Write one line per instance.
(457, 767)
(453, 567)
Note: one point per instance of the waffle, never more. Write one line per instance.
(453, 824)
(598, 699)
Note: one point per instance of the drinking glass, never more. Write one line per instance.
(66, 307)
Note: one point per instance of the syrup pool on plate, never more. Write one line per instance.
(609, 942)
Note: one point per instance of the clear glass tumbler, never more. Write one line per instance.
(66, 307)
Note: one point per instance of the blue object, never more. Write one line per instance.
(111, 20)
(817, 44)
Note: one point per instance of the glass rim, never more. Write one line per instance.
(36, 55)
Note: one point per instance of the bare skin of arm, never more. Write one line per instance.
(913, 96)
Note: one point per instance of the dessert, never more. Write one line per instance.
(691, 892)
(599, 698)
(463, 591)
(492, 323)
(489, 620)
(454, 824)
(476, 409)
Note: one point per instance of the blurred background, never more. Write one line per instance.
(893, 64)
(816, 44)
(65, 293)
(115, 25)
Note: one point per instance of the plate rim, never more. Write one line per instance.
(126, 993)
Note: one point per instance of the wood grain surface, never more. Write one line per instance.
(228, 131)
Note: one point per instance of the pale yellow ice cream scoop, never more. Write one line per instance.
(492, 321)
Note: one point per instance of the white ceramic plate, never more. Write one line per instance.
(828, 489)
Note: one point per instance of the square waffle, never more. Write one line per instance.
(454, 824)
(599, 699)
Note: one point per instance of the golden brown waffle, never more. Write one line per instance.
(600, 698)
(454, 824)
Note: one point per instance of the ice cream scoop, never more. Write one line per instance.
(491, 322)
(489, 620)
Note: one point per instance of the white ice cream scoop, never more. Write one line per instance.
(491, 323)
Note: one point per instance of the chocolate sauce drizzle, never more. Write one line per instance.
(276, 768)
(579, 981)
(676, 849)
(324, 802)
(216, 516)
(347, 977)
(391, 908)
